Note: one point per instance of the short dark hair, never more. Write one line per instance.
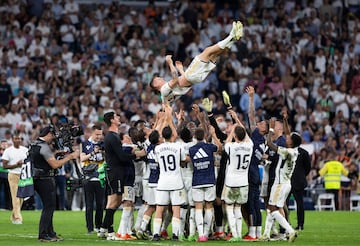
(154, 137)
(296, 139)
(96, 126)
(152, 80)
(166, 132)
(199, 134)
(108, 117)
(185, 135)
(240, 132)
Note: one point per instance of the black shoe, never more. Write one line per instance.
(47, 239)
(299, 228)
(156, 237)
(174, 237)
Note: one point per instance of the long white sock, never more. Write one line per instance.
(130, 221)
(166, 220)
(268, 224)
(124, 221)
(192, 224)
(199, 220)
(208, 219)
(144, 222)
(238, 217)
(282, 221)
(183, 212)
(258, 231)
(230, 44)
(140, 216)
(175, 225)
(223, 43)
(231, 219)
(157, 225)
(252, 231)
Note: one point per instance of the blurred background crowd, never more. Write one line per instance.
(81, 59)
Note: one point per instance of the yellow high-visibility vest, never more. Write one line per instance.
(332, 171)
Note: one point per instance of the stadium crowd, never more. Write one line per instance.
(62, 59)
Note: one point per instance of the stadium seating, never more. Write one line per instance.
(355, 203)
(323, 202)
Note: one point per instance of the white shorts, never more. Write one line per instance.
(198, 70)
(188, 190)
(265, 183)
(145, 187)
(173, 197)
(238, 195)
(129, 194)
(138, 187)
(278, 194)
(207, 194)
(151, 196)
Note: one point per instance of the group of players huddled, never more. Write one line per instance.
(202, 180)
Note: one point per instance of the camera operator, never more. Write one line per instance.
(92, 157)
(45, 165)
(117, 161)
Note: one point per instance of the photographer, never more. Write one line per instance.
(45, 165)
(92, 157)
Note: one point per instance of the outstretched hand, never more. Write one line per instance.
(250, 91)
(226, 98)
(284, 113)
(179, 65)
(168, 58)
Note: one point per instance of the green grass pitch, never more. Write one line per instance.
(321, 228)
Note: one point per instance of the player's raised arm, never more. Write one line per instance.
(174, 73)
(250, 91)
(269, 141)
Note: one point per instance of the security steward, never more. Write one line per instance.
(44, 170)
(332, 171)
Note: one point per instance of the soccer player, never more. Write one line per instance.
(128, 197)
(270, 162)
(170, 189)
(258, 130)
(198, 70)
(116, 160)
(154, 139)
(236, 185)
(186, 140)
(282, 184)
(203, 181)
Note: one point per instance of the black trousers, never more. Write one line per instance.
(254, 205)
(46, 189)
(94, 192)
(300, 211)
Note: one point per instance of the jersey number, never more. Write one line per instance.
(243, 161)
(168, 162)
(26, 170)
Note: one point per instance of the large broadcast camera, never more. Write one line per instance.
(65, 136)
(63, 143)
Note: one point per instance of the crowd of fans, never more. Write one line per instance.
(60, 58)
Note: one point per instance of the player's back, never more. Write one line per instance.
(238, 163)
(169, 156)
(286, 169)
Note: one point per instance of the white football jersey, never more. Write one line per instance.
(187, 171)
(175, 94)
(285, 168)
(237, 167)
(169, 156)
